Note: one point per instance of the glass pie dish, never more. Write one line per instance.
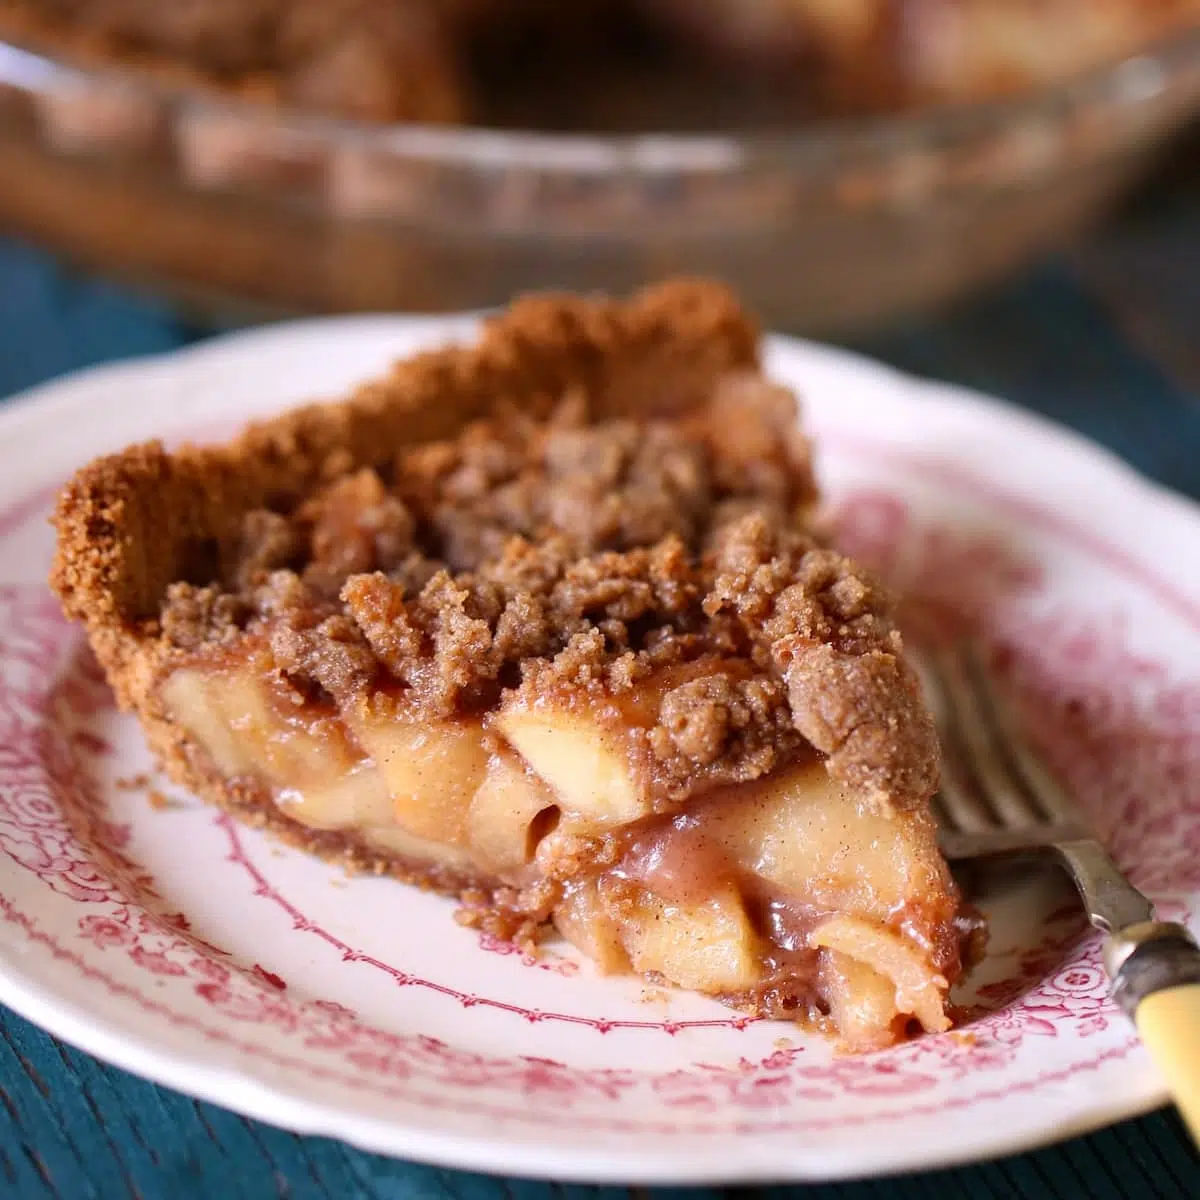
(247, 210)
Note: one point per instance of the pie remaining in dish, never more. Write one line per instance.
(881, 55)
(431, 60)
(541, 623)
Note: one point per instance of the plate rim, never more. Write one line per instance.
(245, 1091)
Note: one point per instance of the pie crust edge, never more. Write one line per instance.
(132, 523)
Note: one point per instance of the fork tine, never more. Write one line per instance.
(979, 739)
(1048, 792)
(956, 806)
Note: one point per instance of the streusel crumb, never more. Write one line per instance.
(580, 558)
(602, 498)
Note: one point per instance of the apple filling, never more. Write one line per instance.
(780, 894)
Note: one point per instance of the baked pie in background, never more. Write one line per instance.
(430, 60)
(878, 55)
(542, 623)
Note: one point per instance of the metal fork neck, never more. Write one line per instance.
(1112, 902)
(1150, 958)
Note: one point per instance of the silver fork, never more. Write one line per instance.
(997, 797)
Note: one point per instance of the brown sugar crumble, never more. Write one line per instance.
(357, 58)
(582, 555)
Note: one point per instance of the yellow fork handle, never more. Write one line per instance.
(1169, 1025)
(1155, 969)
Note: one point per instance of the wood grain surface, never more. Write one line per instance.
(1103, 338)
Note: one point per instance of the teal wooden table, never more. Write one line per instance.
(1103, 338)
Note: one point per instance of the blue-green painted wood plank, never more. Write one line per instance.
(53, 320)
(1044, 343)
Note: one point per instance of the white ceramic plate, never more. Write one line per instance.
(166, 940)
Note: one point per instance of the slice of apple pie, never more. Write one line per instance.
(541, 624)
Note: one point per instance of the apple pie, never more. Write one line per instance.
(430, 60)
(883, 55)
(542, 623)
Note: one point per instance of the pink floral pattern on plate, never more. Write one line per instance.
(1076, 681)
(1120, 724)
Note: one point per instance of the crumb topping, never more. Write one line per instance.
(355, 58)
(582, 558)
